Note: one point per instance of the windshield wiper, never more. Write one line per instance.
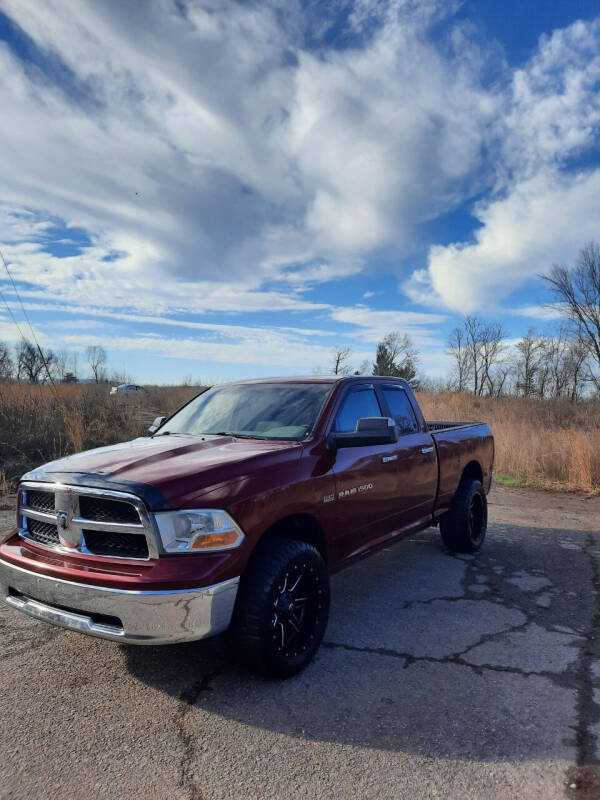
(170, 433)
(236, 435)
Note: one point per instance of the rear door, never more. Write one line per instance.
(416, 459)
(366, 476)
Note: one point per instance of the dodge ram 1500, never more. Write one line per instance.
(233, 512)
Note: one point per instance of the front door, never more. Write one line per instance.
(366, 477)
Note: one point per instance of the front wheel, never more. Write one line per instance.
(282, 609)
(464, 527)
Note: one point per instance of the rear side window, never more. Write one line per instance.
(358, 404)
(401, 410)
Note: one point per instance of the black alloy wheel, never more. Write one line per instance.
(282, 608)
(463, 527)
(296, 607)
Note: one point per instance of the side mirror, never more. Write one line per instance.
(156, 424)
(369, 431)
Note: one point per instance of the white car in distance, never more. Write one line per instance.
(127, 388)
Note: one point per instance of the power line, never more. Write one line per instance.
(18, 296)
(12, 316)
(71, 427)
(33, 334)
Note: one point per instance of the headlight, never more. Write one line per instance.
(194, 531)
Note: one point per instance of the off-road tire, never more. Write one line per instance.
(263, 637)
(463, 528)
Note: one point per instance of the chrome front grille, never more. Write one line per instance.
(42, 532)
(40, 501)
(75, 519)
(117, 545)
(103, 510)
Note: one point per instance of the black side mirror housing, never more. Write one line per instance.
(156, 424)
(369, 431)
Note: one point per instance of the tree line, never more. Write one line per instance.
(30, 363)
(546, 366)
(564, 363)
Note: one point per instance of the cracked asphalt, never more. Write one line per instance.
(440, 677)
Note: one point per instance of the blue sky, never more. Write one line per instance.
(221, 189)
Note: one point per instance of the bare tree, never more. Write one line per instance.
(340, 366)
(457, 348)
(556, 351)
(575, 362)
(501, 375)
(32, 363)
(577, 290)
(561, 372)
(6, 363)
(65, 364)
(491, 351)
(396, 356)
(96, 358)
(478, 348)
(473, 328)
(529, 362)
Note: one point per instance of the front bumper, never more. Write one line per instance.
(134, 617)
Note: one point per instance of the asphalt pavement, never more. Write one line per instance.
(440, 677)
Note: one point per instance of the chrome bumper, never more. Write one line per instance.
(121, 615)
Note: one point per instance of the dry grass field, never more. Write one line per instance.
(547, 443)
(37, 425)
(538, 442)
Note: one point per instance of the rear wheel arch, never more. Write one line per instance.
(473, 470)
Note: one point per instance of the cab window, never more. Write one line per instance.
(356, 405)
(401, 410)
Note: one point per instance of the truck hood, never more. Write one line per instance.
(172, 466)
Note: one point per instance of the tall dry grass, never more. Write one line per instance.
(551, 443)
(542, 442)
(37, 425)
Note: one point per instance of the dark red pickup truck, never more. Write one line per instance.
(235, 510)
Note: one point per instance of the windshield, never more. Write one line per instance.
(253, 410)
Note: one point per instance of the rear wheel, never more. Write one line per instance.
(282, 610)
(464, 527)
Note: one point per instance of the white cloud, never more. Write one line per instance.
(553, 104)
(541, 211)
(8, 330)
(544, 313)
(270, 349)
(211, 145)
(383, 135)
(542, 220)
(367, 325)
(110, 315)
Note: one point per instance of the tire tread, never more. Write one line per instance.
(248, 623)
(454, 527)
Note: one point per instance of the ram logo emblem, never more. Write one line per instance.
(62, 520)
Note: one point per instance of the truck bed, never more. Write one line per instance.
(435, 426)
(458, 444)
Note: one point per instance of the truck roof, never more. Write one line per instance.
(319, 379)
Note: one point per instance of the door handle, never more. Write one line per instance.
(385, 459)
(426, 450)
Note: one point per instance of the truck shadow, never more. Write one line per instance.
(480, 657)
